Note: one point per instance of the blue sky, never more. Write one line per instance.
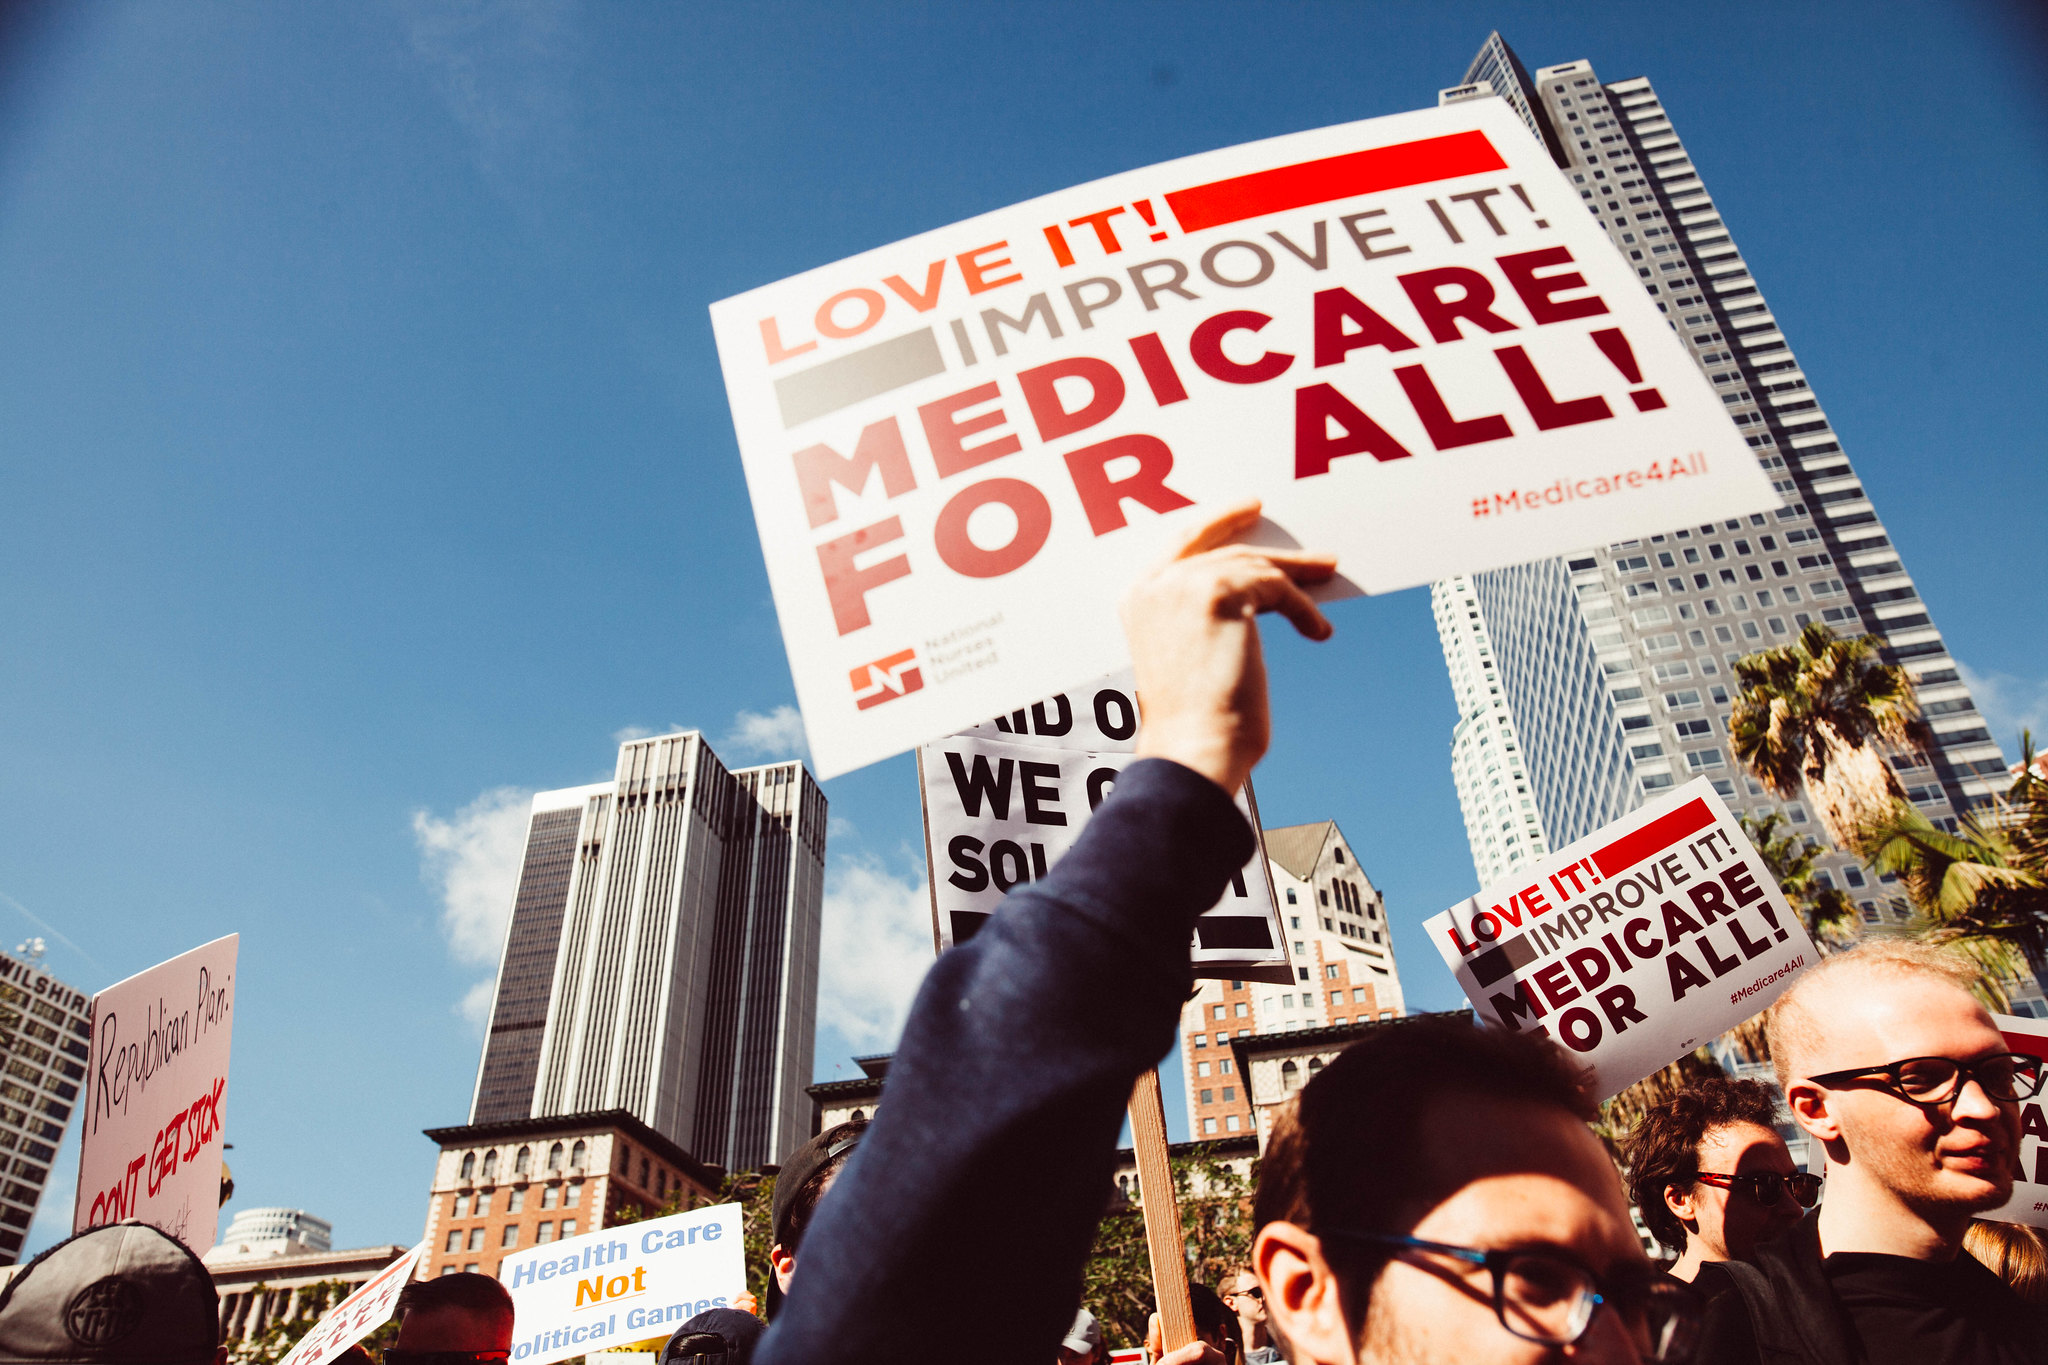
(365, 464)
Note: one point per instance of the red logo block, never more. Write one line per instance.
(886, 679)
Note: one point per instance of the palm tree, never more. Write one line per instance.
(1789, 855)
(1973, 887)
(1812, 714)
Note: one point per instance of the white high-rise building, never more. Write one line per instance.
(1590, 683)
(662, 955)
(1343, 957)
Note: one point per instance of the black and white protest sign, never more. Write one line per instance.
(1004, 800)
(1634, 945)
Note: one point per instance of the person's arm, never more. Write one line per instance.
(961, 1223)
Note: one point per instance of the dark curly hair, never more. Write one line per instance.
(1664, 1149)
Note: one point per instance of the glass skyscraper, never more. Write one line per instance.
(1591, 683)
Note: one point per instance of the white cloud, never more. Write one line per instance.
(877, 943)
(506, 70)
(2010, 704)
(472, 860)
(778, 734)
(626, 734)
(476, 1003)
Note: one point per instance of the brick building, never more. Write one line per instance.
(520, 1182)
(1340, 946)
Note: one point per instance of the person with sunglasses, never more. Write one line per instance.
(1713, 1178)
(1897, 1071)
(1246, 1299)
(1435, 1197)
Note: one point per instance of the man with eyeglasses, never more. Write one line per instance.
(1713, 1178)
(1891, 1064)
(1435, 1197)
(1246, 1299)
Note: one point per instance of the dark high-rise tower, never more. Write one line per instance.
(662, 955)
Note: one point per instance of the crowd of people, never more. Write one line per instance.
(1434, 1196)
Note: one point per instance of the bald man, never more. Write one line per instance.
(1890, 1063)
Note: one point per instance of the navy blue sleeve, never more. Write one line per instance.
(961, 1223)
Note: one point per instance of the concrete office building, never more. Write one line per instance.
(1343, 958)
(662, 955)
(1593, 682)
(273, 1232)
(44, 1031)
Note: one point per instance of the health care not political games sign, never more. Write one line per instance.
(617, 1285)
(1405, 335)
(1634, 945)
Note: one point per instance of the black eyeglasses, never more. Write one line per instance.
(1253, 1293)
(1767, 1187)
(1544, 1297)
(2005, 1076)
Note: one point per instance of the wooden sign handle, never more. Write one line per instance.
(1163, 1239)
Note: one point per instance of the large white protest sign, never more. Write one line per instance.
(151, 1140)
(1404, 334)
(1634, 945)
(358, 1315)
(1005, 799)
(2029, 1202)
(622, 1284)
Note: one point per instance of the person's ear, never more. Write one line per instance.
(1812, 1108)
(783, 1262)
(1682, 1202)
(1303, 1302)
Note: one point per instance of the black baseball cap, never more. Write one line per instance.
(804, 1163)
(739, 1331)
(126, 1294)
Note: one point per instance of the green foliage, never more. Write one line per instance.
(1790, 855)
(275, 1342)
(1813, 714)
(1978, 888)
(1215, 1215)
(754, 1192)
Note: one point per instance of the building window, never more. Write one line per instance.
(1290, 1076)
(576, 1156)
(1330, 972)
(516, 1200)
(1230, 1122)
(1201, 1068)
(1323, 895)
(462, 1206)
(1290, 895)
(1224, 1067)
(483, 1203)
(550, 1196)
(1208, 1097)
(1217, 1011)
(476, 1239)
(1201, 1040)
(1208, 1125)
(570, 1198)
(491, 1164)
(1340, 855)
(1229, 1093)
(1241, 1009)
(546, 1233)
(569, 1225)
(454, 1241)
(555, 1157)
(511, 1235)
(469, 1165)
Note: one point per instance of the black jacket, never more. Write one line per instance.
(1787, 1309)
(960, 1225)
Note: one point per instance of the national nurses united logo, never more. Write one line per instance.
(886, 679)
(104, 1312)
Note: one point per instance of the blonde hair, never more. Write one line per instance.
(1792, 1029)
(2014, 1254)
